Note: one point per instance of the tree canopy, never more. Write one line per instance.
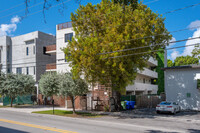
(49, 84)
(183, 60)
(107, 27)
(72, 88)
(196, 52)
(170, 63)
(15, 85)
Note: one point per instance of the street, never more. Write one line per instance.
(19, 122)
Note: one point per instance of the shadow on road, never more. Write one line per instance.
(151, 113)
(193, 130)
(9, 130)
(157, 131)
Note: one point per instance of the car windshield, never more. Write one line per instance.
(165, 103)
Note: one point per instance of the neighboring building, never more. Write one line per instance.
(24, 54)
(181, 86)
(145, 80)
(5, 54)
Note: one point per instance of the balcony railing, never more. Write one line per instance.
(149, 73)
(51, 67)
(64, 25)
(50, 49)
(152, 62)
(142, 87)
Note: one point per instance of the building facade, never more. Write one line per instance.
(25, 54)
(182, 86)
(145, 80)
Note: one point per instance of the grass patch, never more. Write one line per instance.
(68, 113)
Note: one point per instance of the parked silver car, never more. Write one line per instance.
(168, 107)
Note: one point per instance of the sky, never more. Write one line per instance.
(15, 21)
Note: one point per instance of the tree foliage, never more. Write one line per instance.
(49, 84)
(15, 85)
(107, 27)
(183, 60)
(170, 63)
(72, 88)
(196, 52)
(132, 3)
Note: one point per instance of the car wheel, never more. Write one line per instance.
(158, 112)
(174, 112)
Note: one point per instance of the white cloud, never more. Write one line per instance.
(194, 24)
(15, 19)
(188, 50)
(6, 29)
(175, 54)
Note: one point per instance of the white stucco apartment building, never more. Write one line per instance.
(143, 83)
(181, 86)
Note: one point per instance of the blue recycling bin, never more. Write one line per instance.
(132, 104)
(128, 105)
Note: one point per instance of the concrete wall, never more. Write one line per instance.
(179, 82)
(62, 66)
(5, 45)
(19, 57)
(41, 58)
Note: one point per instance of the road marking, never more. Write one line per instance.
(36, 126)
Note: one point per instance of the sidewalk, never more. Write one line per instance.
(30, 109)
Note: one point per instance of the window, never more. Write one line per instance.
(26, 50)
(29, 42)
(19, 70)
(34, 70)
(27, 70)
(8, 55)
(68, 37)
(188, 95)
(8, 70)
(143, 80)
(33, 49)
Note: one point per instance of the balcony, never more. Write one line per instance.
(142, 87)
(51, 49)
(51, 67)
(148, 73)
(64, 25)
(152, 62)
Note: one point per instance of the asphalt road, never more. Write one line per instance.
(18, 122)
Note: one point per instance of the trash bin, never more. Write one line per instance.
(123, 103)
(132, 104)
(128, 106)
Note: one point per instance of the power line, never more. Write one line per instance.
(119, 50)
(134, 38)
(12, 7)
(106, 58)
(182, 8)
(21, 10)
(148, 46)
(155, 50)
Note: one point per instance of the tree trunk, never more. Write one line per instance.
(73, 106)
(11, 104)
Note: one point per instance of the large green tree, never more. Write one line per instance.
(107, 27)
(185, 60)
(15, 85)
(72, 88)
